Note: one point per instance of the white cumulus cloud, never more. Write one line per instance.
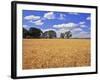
(73, 13)
(38, 22)
(82, 22)
(49, 15)
(83, 26)
(26, 27)
(88, 18)
(48, 29)
(32, 17)
(77, 30)
(65, 25)
(81, 34)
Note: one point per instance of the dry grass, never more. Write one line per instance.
(53, 53)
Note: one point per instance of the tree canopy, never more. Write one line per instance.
(49, 34)
(68, 34)
(25, 33)
(35, 32)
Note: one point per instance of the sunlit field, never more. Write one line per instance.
(55, 53)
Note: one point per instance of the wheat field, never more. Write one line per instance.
(55, 53)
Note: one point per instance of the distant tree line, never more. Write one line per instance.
(37, 33)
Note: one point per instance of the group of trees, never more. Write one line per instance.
(67, 34)
(49, 34)
(37, 33)
(32, 33)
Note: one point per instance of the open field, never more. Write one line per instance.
(54, 53)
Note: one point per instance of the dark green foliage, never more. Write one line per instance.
(25, 33)
(35, 32)
(49, 34)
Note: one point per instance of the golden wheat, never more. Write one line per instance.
(54, 53)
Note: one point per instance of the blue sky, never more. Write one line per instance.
(78, 23)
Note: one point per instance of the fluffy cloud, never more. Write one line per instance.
(26, 27)
(83, 26)
(88, 18)
(38, 22)
(82, 22)
(77, 30)
(63, 30)
(66, 25)
(81, 34)
(73, 13)
(62, 17)
(49, 15)
(32, 17)
(48, 29)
